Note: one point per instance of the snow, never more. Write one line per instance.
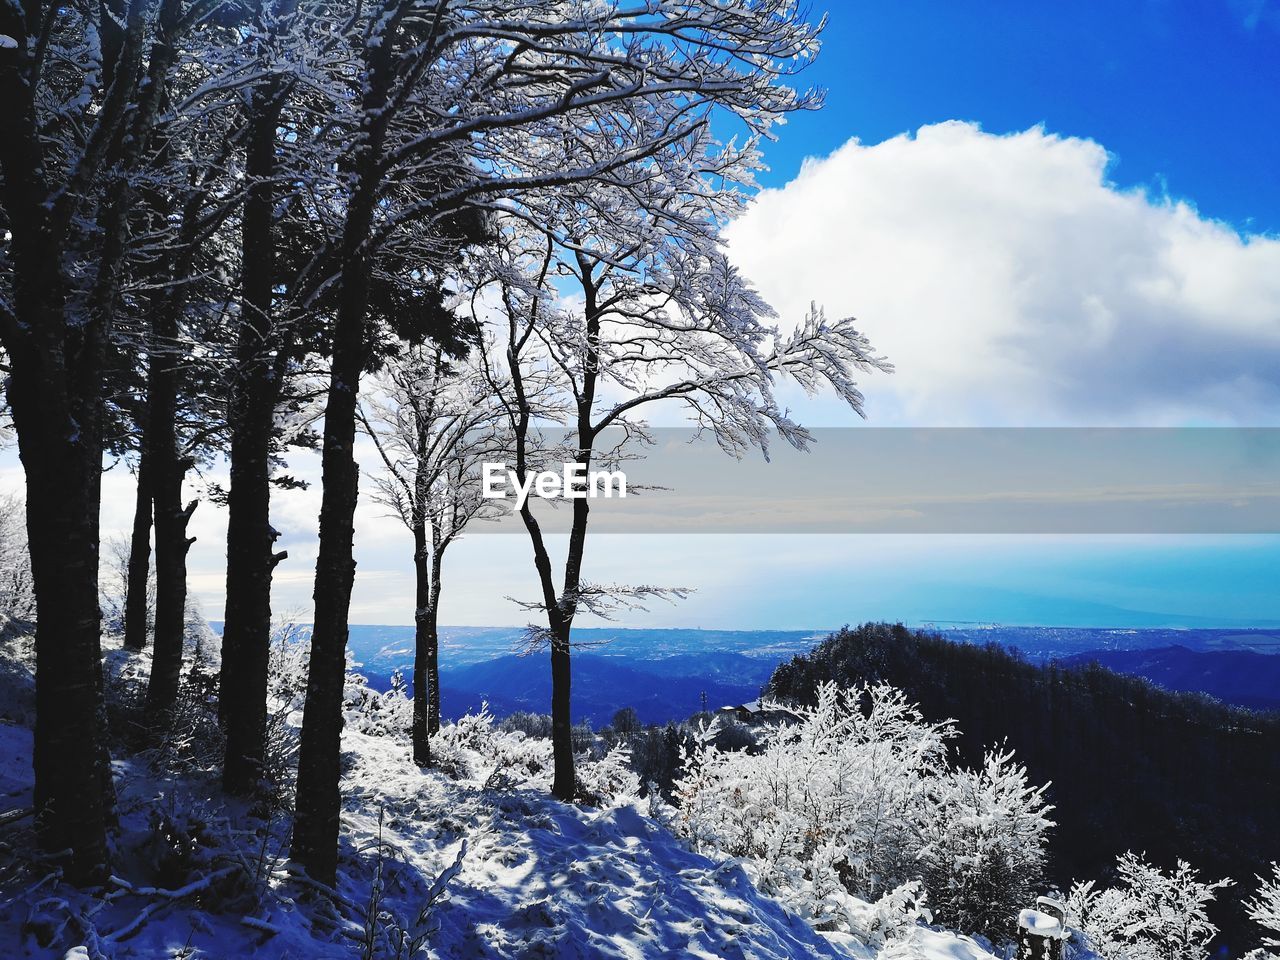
(610, 884)
(15, 763)
(924, 944)
(539, 878)
(7, 42)
(1041, 924)
(534, 877)
(542, 878)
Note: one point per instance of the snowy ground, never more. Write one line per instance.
(537, 879)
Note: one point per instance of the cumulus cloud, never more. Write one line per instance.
(1012, 283)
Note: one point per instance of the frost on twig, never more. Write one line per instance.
(603, 600)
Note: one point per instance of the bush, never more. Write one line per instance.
(984, 844)
(1264, 910)
(530, 724)
(609, 780)
(1148, 915)
(657, 757)
(858, 799)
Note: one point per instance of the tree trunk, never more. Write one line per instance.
(246, 633)
(315, 829)
(168, 470)
(55, 404)
(426, 654)
(55, 394)
(433, 642)
(71, 803)
(421, 730)
(564, 781)
(136, 606)
(564, 785)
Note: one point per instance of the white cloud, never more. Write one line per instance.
(1012, 283)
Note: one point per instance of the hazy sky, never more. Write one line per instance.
(1047, 214)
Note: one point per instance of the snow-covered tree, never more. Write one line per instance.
(1149, 914)
(87, 94)
(1264, 910)
(983, 844)
(433, 422)
(857, 800)
(621, 300)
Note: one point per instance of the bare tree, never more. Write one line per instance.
(433, 423)
(637, 308)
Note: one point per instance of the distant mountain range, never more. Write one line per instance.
(1239, 677)
(664, 673)
(670, 688)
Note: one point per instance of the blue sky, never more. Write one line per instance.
(1044, 214)
(1183, 93)
(1179, 101)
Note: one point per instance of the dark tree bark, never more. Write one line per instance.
(433, 641)
(421, 731)
(56, 388)
(315, 830)
(427, 563)
(63, 469)
(55, 396)
(168, 469)
(136, 612)
(246, 635)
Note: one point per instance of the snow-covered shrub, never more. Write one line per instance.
(286, 693)
(287, 667)
(893, 915)
(17, 675)
(1264, 910)
(458, 749)
(984, 844)
(530, 724)
(609, 780)
(1148, 915)
(388, 714)
(858, 798)
(476, 748)
(404, 937)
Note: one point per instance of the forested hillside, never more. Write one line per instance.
(1132, 767)
(1240, 677)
